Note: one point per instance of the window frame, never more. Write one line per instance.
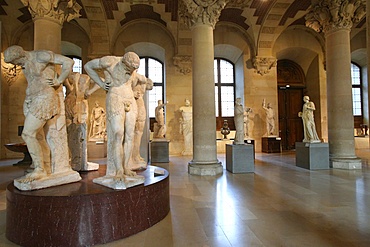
(358, 119)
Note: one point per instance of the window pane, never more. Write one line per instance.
(215, 71)
(216, 100)
(356, 97)
(154, 95)
(226, 71)
(155, 70)
(355, 74)
(77, 66)
(142, 66)
(227, 101)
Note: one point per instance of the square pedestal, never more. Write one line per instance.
(239, 158)
(312, 156)
(159, 151)
(251, 142)
(96, 149)
(271, 144)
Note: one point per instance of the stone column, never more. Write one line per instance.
(202, 16)
(335, 19)
(48, 17)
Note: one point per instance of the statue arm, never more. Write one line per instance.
(90, 68)
(67, 65)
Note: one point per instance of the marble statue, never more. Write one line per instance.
(120, 77)
(76, 115)
(247, 112)
(143, 84)
(225, 129)
(186, 127)
(97, 123)
(239, 121)
(309, 128)
(270, 118)
(159, 126)
(41, 108)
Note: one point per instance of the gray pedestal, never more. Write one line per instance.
(159, 151)
(96, 149)
(239, 158)
(312, 156)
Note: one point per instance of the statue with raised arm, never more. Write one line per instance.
(270, 118)
(41, 105)
(120, 77)
(239, 121)
(309, 127)
(159, 126)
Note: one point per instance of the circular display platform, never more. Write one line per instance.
(84, 213)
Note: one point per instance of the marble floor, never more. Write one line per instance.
(277, 205)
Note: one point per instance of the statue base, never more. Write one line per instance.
(312, 156)
(90, 166)
(240, 158)
(271, 144)
(127, 182)
(159, 151)
(96, 149)
(51, 180)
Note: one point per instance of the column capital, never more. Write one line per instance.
(331, 15)
(57, 10)
(201, 11)
(263, 65)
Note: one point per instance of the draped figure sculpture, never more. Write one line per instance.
(41, 108)
(239, 121)
(186, 127)
(309, 127)
(247, 117)
(159, 126)
(120, 77)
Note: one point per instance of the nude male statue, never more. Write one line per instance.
(41, 103)
(120, 77)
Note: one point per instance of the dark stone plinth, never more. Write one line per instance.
(312, 156)
(271, 144)
(20, 148)
(239, 158)
(84, 213)
(159, 151)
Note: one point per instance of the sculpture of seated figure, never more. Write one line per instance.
(309, 127)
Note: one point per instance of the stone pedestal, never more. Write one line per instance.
(96, 149)
(239, 158)
(159, 151)
(251, 142)
(312, 156)
(271, 144)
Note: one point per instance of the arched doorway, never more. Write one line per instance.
(291, 84)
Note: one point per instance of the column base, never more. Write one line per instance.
(205, 169)
(348, 164)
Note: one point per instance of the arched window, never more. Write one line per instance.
(153, 69)
(77, 66)
(224, 91)
(356, 94)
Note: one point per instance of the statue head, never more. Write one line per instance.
(306, 98)
(160, 102)
(15, 55)
(131, 60)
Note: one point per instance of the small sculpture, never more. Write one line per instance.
(41, 109)
(186, 127)
(270, 118)
(159, 126)
(309, 127)
(225, 129)
(239, 121)
(248, 111)
(97, 123)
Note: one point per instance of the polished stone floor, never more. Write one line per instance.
(277, 205)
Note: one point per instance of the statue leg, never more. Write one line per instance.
(129, 138)
(117, 129)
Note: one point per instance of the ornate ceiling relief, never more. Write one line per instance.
(329, 15)
(10, 72)
(60, 10)
(183, 64)
(263, 65)
(201, 11)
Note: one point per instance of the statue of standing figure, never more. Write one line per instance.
(42, 108)
(97, 123)
(309, 127)
(239, 121)
(159, 126)
(270, 118)
(248, 111)
(186, 127)
(76, 115)
(120, 77)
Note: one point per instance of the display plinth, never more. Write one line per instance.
(312, 156)
(251, 142)
(85, 213)
(96, 149)
(239, 158)
(271, 144)
(159, 151)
